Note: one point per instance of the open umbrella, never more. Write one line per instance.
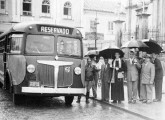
(153, 46)
(92, 53)
(134, 44)
(109, 52)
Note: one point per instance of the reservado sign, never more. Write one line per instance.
(54, 29)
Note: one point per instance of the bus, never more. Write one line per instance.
(42, 60)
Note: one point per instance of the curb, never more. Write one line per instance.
(123, 109)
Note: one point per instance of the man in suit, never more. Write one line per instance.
(106, 75)
(147, 79)
(132, 76)
(98, 64)
(158, 77)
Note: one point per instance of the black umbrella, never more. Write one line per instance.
(134, 44)
(153, 46)
(109, 52)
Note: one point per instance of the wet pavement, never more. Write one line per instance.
(155, 110)
(55, 109)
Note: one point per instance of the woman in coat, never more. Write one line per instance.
(117, 88)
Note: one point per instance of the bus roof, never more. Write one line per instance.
(42, 28)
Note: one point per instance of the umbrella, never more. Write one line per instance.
(92, 53)
(109, 52)
(134, 44)
(153, 46)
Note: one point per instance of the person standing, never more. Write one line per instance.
(117, 88)
(89, 77)
(147, 79)
(96, 75)
(158, 78)
(106, 74)
(132, 77)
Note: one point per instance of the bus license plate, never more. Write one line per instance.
(34, 84)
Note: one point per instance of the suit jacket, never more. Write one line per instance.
(132, 70)
(147, 73)
(106, 73)
(158, 69)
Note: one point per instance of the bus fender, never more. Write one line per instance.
(17, 67)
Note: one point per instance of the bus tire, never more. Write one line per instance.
(69, 100)
(17, 99)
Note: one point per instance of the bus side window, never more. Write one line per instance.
(16, 43)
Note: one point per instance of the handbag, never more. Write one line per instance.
(120, 75)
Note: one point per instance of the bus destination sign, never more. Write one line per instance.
(54, 29)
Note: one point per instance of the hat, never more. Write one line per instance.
(148, 56)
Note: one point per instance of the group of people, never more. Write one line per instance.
(140, 75)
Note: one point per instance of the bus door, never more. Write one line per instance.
(2, 47)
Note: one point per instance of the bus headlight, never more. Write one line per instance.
(31, 68)
(77, 70)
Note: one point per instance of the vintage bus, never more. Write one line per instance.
(42, 60)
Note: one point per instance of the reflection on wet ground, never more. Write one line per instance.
(47, 108)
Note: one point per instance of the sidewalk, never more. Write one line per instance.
(155, 110)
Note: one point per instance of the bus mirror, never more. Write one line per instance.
(4, 56)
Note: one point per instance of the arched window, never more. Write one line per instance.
(27, 9)
(67, 9)
(45, 6)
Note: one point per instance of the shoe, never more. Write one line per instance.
(119, 101)
(134, 101)
(129, 102)
(144, 101)
(107, 101)
(114, 101)
(149, 102)
(156, 100)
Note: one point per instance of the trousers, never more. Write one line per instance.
(132, 90)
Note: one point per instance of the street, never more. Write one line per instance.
(55, 109)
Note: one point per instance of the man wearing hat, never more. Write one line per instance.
(133, 66)
(147, 79)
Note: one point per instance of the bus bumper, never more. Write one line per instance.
(53, 90)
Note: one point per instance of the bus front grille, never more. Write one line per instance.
(45, 75)
(65, 76)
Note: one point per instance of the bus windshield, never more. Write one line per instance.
(68, 46)
(40, 44)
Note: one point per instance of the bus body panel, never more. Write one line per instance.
(1, 69)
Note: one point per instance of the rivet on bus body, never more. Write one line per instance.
(30, 27)
(56, 57)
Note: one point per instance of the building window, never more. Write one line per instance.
(27, 9)
(110, 26)
(67, 10)
(45, 6)
(2, 4)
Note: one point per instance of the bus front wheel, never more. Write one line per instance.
(17, 99)
(69, 100)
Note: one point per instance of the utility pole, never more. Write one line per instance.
(95, 24)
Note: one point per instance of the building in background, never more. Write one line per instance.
(99, 25)
(61, 12)
(147, 20)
